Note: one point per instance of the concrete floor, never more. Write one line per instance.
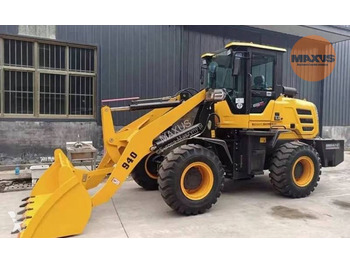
(245, 209)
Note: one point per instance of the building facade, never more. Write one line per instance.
(53, 78)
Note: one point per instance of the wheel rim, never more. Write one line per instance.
(148, 168)
(303, 171)
(197, 180)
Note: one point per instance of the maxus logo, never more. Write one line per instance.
(313, 58)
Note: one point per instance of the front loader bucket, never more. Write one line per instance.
(59, 205)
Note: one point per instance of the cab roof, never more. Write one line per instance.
(207, 55)
(250, 44)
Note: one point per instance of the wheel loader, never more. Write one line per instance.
(242, 122)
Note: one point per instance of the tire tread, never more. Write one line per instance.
(279, 176)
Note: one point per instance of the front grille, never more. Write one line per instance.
(306, 120)
(305, 117)
(304, 112)
(308, 128)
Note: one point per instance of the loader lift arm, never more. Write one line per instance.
(60, 205)
(128, 146)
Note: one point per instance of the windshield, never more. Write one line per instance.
(220, 71)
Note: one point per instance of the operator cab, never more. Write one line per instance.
(251, 75)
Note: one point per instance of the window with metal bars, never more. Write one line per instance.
(81, 59)
(18, 53)
(46, 78)
(52, 94)
(80, 95)
(18, 89)
(52, 56)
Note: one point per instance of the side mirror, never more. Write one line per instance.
(236, 66)
(237, 61)
(212, 73)
(250, 80)
(203, 68)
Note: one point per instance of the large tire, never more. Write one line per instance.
(295, 169)
(191, 179)
(145, 173)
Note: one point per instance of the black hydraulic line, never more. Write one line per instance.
(187, 90)
(154, 105)
(148, 100)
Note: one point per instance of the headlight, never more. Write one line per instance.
(215, 95)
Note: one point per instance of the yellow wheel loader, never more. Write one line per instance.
(242, 123)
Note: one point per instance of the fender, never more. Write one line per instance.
(219, 144)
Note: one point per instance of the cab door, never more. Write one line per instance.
(236, 87)
(234, 111)
(262, 80)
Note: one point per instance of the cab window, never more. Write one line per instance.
(220, 75)
(220, 71)
(262, 85)
(262, 72)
